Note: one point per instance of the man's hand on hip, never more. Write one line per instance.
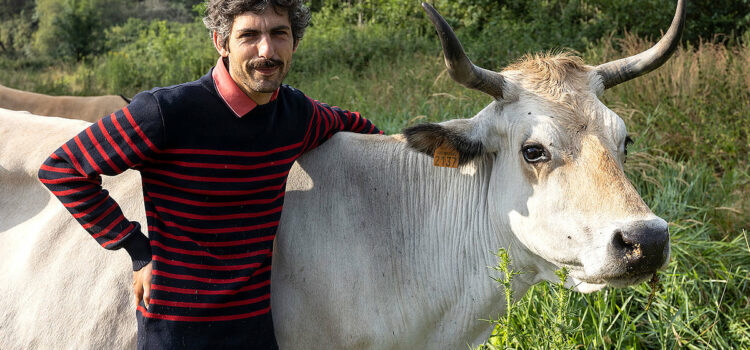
(142, 285)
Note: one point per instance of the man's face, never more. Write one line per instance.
(260, 51)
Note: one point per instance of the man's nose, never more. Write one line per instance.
(265, 46)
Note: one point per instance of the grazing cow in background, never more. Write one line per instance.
(377, 249)
(88, 108)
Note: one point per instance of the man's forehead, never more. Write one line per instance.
(269, 18)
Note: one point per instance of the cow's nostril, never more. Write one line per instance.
(627, 249)
(619, 243)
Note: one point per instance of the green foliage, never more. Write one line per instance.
(504, 336)
(11, 8)
(44, 38)
(495, 32)
(353, 47)
(394, 13)
(510, 330)
(15, 32)
(157, 53)
(76, 29)
(73, 29)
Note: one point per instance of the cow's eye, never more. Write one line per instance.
(534, 153)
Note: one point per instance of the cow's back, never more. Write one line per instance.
(60, 289)
(88, 108)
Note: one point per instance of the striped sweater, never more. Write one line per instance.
(214, 168)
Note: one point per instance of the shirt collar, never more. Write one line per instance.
(235, 98)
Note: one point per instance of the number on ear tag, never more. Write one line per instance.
(445, 156)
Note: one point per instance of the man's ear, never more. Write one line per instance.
(219, 45)
(457, 133)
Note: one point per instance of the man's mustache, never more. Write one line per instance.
(265, 63)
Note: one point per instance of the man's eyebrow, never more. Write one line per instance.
(281, 27)
(247, 30)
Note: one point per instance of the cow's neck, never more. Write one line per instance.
(452, 221)
(439, 238)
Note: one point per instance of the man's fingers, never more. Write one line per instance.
(142, 285)
(145, 280)
(147, 290)
(137, 287)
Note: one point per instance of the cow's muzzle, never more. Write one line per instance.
(642, 247)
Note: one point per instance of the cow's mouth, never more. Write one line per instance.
(625, 281)
(591, 283)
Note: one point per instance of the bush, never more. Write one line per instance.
(15, 32)
(76, 29)
(354, 47)
(163, 53)
(495, 31)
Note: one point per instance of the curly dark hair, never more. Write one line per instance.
(220, 15)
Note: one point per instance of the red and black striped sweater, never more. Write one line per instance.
(214, 167)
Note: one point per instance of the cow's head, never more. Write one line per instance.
(557, 179)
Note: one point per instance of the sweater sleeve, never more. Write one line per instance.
(126, 139)
(326, 121)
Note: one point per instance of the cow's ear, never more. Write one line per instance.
(427, 137)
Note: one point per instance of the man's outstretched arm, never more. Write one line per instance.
(326, 121)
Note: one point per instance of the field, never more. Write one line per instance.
(690, 121)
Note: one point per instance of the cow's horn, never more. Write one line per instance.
(624, 69)
(459, 66)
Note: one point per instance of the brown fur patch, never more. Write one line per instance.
(599, 182)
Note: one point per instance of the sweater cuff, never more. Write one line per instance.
(139, 248)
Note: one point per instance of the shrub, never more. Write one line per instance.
(163, 53)
(15, 32)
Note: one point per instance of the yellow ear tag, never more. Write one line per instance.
(445, 156)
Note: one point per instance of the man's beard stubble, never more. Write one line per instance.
(258, 85)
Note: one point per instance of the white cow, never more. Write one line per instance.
(88, 108)
(377, 249)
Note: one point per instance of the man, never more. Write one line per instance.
(214, 155)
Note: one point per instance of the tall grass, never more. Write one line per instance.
(697, 104)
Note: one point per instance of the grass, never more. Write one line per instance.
(690, 120)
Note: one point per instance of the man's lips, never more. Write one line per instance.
(267, 70)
